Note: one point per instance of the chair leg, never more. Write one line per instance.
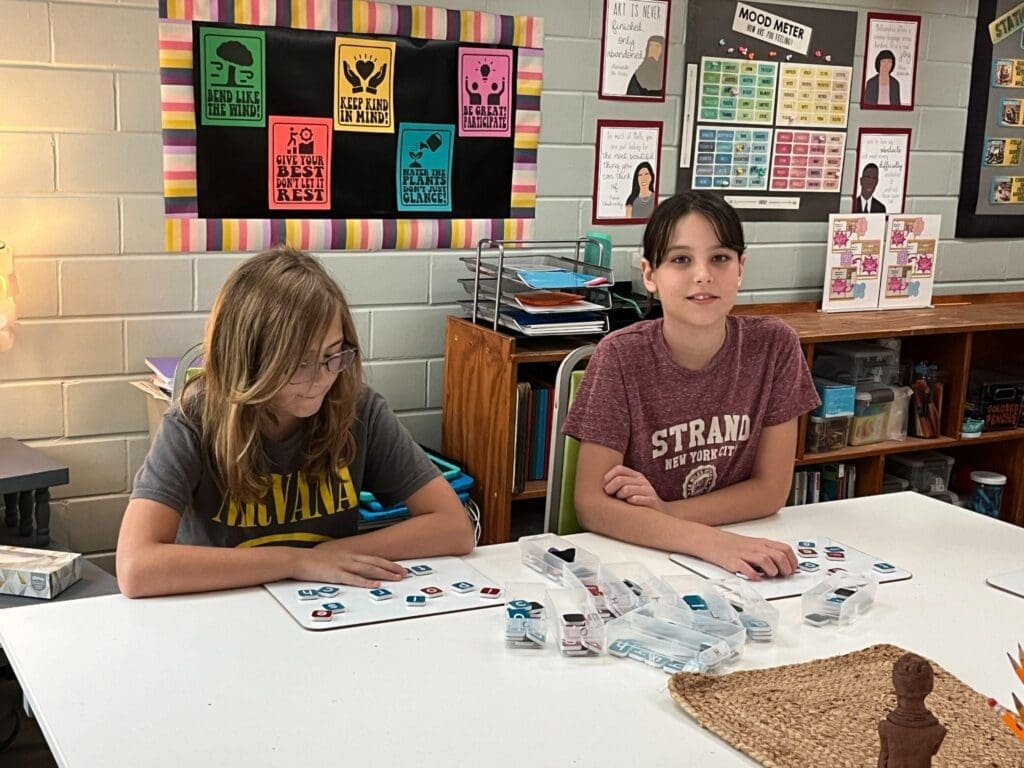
(11, 509)
(42, 517)
(26, 505)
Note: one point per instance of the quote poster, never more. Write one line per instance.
(883, 157)
(486, 83)
(233, 76)
(424, 165)
(626, 171)
(890, 61)
(300, 163)
(634, 50)
(364, 74)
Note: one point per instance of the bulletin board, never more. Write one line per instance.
(991, 202)
(346, 124)
(767, 102)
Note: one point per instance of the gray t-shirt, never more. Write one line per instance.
(298, 510)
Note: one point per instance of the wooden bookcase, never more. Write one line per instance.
(482, 368)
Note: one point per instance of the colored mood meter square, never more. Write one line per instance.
(232, 72)
(486, 83)
(814, 95)
(299, 164)
(734, 91)
(808, 161)
(733, 158)
(424, 167)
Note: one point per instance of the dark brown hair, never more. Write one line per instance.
(721, 215)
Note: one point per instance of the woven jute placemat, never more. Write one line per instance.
(826, 712)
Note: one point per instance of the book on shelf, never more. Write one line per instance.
(521, 439)
(826, 482)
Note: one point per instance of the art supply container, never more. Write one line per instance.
(856, 362)
(827, 433)
(579, 629)
(987, 492)
(995, 397)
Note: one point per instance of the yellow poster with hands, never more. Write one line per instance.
(364, 75)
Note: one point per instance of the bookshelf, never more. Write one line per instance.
(483, 366)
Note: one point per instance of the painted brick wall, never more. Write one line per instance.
(80, 185)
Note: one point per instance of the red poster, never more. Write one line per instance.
(300, 163)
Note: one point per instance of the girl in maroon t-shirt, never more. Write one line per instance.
(690, 421)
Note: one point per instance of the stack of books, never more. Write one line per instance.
(161, 381)
(824, 482)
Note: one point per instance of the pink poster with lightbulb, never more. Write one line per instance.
(486, 84)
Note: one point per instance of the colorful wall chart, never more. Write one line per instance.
(991, 199)
(854, 262)
(808, 161)
(735, 158)
(908, 268)
(737, 91)
(346, 125)
(814, 95)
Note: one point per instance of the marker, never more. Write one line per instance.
(1007, 717)
(1016, 667)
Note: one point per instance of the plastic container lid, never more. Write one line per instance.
(982, 477)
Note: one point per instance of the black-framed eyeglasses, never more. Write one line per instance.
(334, 364)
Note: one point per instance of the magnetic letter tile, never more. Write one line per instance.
(421, 570)
(432, 591)
(462, 587)
(415, 601)
(381, 594)
(328, 591)
(333, 607)
(309, 594)
(321, 615)
(490, 592)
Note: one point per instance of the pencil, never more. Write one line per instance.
(1007, 717)
(1018, 705)
(1017, 668)
(1020, 653)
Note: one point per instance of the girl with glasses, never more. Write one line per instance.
(255, 476)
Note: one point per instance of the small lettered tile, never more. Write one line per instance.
(309, 594)
(322, 615)
(333, 607)
(462, 587)
(809, 567)
(491, 593)
(415, 601)
(432, 591)
(328, 591)
(421, 570)
(381, 594)
(884, 567)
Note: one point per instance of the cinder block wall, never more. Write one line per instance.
(80, 201)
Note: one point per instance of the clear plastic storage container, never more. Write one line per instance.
(827, 433)
(547, 554)
(525, 616)
(927, 472)
(663, 636)
(840, 598)
(856, 362)
(870, 423)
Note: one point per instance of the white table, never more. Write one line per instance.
(229, 679)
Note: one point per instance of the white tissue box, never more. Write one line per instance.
(37, 572)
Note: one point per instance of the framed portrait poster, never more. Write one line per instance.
(627, 165)
(890, 61)
(634, 50)
(883, 162)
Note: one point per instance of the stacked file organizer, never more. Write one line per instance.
(521, 286)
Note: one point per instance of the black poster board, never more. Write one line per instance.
(977, 214)
(710, 33)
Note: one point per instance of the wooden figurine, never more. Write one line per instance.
(910, 734)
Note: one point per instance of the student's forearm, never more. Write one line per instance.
(746, 500)
(170, 569)
(642, 525)
(430, 535)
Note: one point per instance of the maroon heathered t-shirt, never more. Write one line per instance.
(691, 432)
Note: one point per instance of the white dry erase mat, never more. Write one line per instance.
(360, 608)
(1012, 582)
(852, 560)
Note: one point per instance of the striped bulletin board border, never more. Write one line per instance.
(186, 232)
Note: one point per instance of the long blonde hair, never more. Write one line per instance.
(270, 311)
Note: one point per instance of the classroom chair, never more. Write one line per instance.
(559, 510)
(187, 360)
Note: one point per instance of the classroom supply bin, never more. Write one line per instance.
(987, 492)
(899, 413)
(927, 471)
(525, 616)
(870, 422)
(840, 598)
(836, 398)
(759, 617)
(856, 362)
(627, 586)
(663, 636)
(547, 554)
(995, 397)
(579, 629)
(827, 433)
(894, 484)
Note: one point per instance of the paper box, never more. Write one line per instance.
(836, 399)
(37, 572)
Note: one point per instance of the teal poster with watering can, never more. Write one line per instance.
(424, 166)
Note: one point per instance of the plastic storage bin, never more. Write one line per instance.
(987, 493)
(547, 554)
(836, 398)
(899, 414)
(927, 472)
(525, 616)
(827, 433)
(856, 362)
(870, 422)
(840, 598)
(579, 629)
(894, 484)
(663, 636)
(995, 398)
